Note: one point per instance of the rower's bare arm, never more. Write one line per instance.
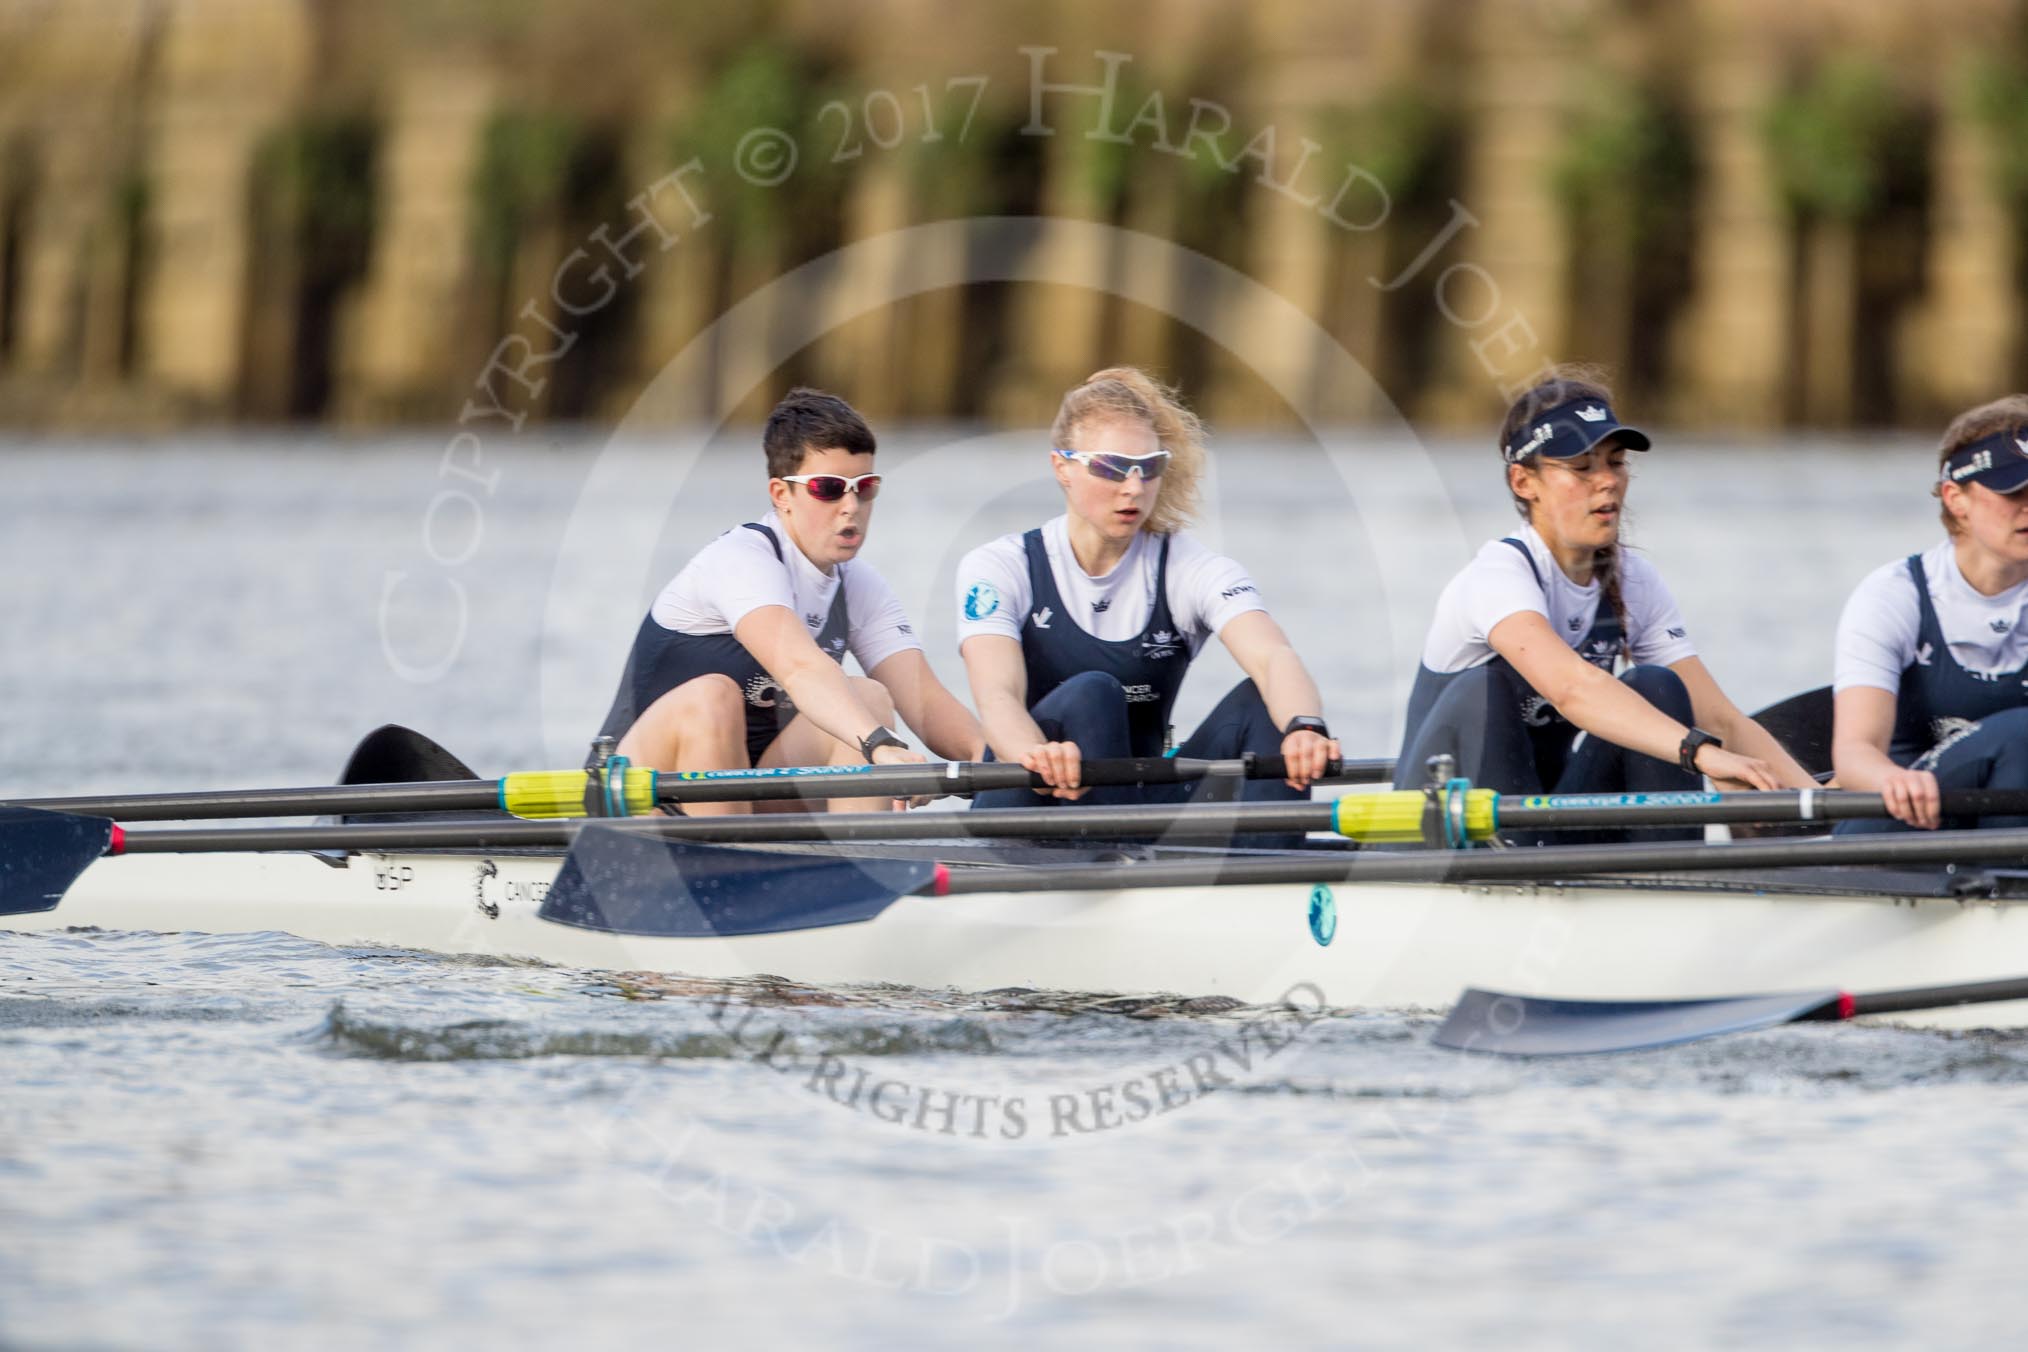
(1718, 715)
(1862, 730)
(1586, 695)
(945, 725)
(819, 687)
(1265, 654)
(1595, 701)
(999, 678)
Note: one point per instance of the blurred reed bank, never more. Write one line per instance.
(385, 211)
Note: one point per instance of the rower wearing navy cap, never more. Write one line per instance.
(739, 661)
(1932, 668)
(1520, 657)
(1076, 634)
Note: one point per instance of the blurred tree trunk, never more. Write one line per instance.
(1829, 313)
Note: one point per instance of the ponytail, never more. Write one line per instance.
(1605, 566)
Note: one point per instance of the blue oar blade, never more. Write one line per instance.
(625, 883)
(41, 854)
(1526, 1025)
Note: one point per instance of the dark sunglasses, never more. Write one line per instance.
(832, 487)
(1116, 468)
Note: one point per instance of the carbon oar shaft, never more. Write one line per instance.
(965, 778)
(1208, 822)
(1926, 997)
(1607, 810)
(724, 786)
(1550, 863)
(475, 795)
(1198, 822)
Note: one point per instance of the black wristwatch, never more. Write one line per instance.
(876, 739)
(1306, 723)
(1686, 755)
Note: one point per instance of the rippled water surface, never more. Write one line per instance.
(255, 1140)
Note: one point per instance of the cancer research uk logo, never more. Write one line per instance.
(981, 600)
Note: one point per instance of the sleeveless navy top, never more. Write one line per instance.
(663, 659)
(1149, 667)
(1940, 701)
(1600, 646)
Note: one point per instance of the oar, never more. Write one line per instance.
(1366, 817)
(41, 854)
(1529, 1025)
(1180, 822)
(1802, 723)
(419, 776)
(561, 793)
(619, 875)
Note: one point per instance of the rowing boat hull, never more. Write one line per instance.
(1397, 945)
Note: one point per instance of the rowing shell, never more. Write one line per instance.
(1366, 944)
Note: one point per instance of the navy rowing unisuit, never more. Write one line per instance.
(1149, 667)
(1969, 728)
(663, 658)
(1500, 732)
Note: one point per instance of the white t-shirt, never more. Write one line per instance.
(1879, 633)
(1206, 590)
(1498, 583)
(738, 573)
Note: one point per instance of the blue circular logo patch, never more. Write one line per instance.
(982, 600)
(1323, 915)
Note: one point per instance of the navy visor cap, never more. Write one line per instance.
(1571, 429)
(1998, 462)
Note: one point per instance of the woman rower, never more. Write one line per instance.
(1932, 665)
(1076, 634)
(1519, 659)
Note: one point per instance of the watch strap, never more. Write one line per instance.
(876, 739)
(1686, 755)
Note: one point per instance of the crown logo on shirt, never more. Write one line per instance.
(1593, 413)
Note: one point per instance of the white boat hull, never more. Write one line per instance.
(1395, 945)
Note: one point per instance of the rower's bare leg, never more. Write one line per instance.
(804, 743)
(699, 725)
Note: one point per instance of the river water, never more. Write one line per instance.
(229, 1141)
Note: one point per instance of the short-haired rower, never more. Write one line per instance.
(1931, 679)
(739, 662)
(1076, 634)
(1520, 657)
